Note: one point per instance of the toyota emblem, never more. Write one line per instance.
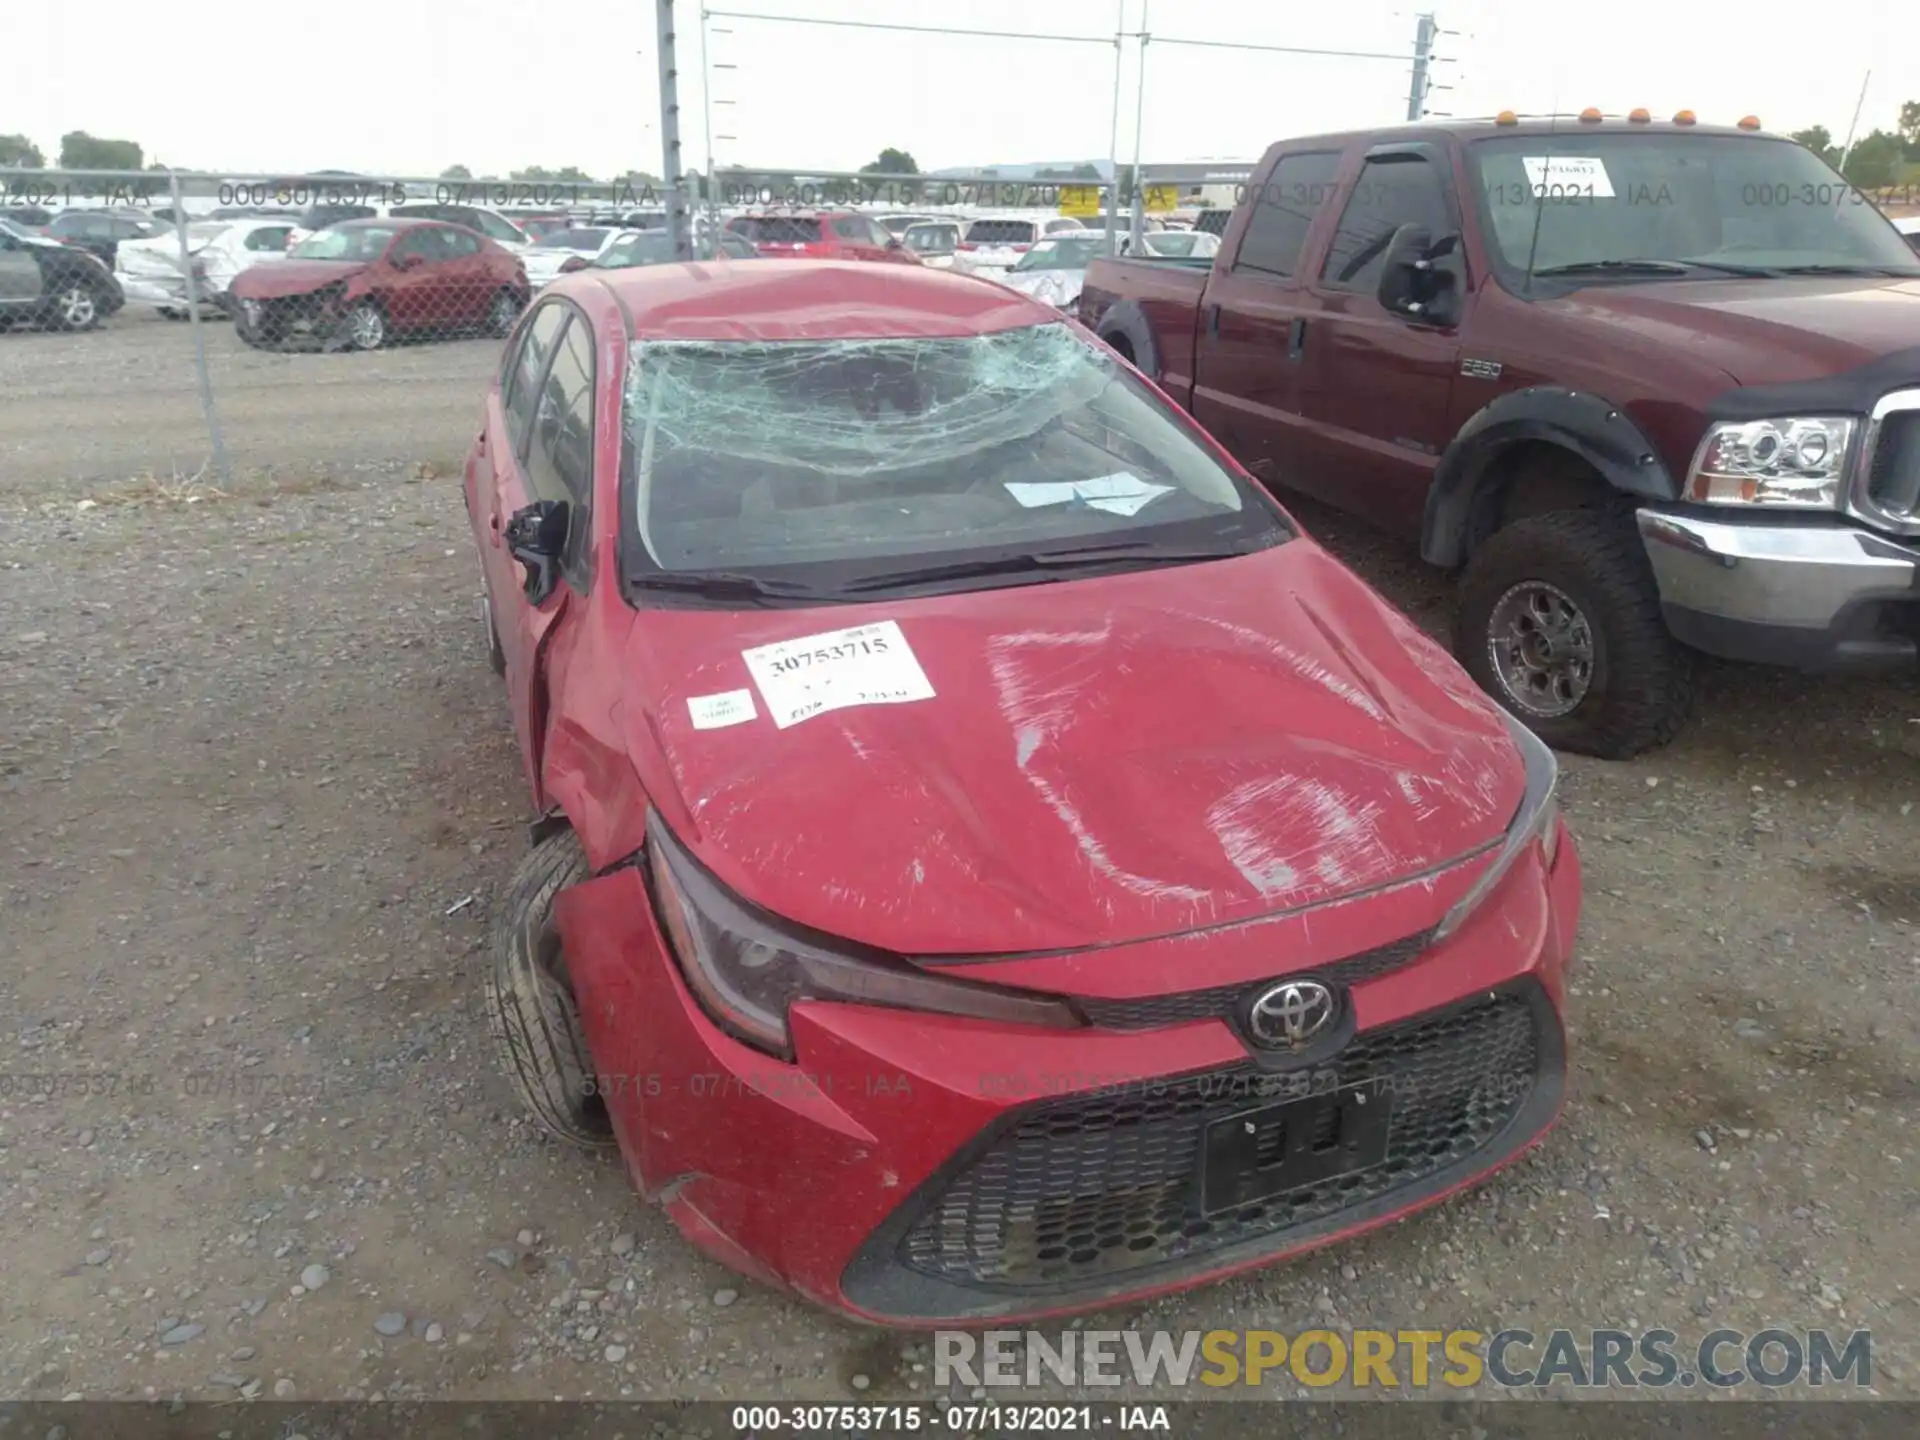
(1290, 1014)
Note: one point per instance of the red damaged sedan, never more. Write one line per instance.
(360, 283)
(991, 862)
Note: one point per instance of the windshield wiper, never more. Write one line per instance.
(725, 585)
(1040, 562)
(1616, 267)
(1898, 272)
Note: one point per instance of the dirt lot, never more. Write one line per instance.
(253, 761)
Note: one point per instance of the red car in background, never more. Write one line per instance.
(822, 235)
(991, 862)
(357, 284)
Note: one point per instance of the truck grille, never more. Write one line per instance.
(1222, 1001)
(1893, 473)
(1075, 1194)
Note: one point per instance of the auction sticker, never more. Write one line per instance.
(713, 712)
(1557, 176)
(867, 665)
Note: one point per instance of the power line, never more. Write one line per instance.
(912, 29)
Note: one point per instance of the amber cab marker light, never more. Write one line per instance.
(1590, 116)
(1640, 116)
(1506, 117)
(1685, 117)
(1750, 122)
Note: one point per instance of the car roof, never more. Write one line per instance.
(810, 300)
(391, 222)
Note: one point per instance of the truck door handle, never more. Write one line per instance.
(1297, 338)
(1213, 322)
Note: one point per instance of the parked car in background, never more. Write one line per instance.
(490, 223)
(630, 248)
(30, 218)
(318, 217)
(544, 257)
(1909, 226)
(1052, 270)
(1213, 222)
(935, 241)
(1648, 388)
(997, 242)
(99, 232)
(149, 270)
(822, 235)
(537, 227)
(822, 627)
(898, 223)
(47, 283)
(1180, 244)
(359, 283)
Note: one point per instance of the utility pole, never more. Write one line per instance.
(1423, 38)
(671, 171)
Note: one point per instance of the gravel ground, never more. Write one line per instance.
(261, 793)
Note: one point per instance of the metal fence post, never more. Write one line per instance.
(207, 408)
(673, 175)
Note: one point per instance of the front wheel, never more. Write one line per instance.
(530, 1002)
(1560, 622)
(75, 307)
(366, 327)
(501, 314)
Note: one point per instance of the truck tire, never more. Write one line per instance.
(1559, 620)
(530, 1004)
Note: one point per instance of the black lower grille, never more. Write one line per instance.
(1071, 1195)
(1222, 1001)
(1893, 478)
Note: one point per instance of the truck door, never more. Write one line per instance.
(1246, 355)
(1373, 387)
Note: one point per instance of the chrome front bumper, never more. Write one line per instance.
(1812, 596)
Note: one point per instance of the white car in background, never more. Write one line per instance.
(936, 242)
(996, 242)
(1055, 269)
(1909, 226)
(545, 257)
(149, 270)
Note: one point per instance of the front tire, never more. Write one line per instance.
(366, 327)
(530, 1003)
(1559, 620)
(501, 314)
(74, 306)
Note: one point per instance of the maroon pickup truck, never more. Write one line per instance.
(1649, 388)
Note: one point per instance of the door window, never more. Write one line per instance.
(1283, 212)
(560, 455)
(1393, 190)
(529, 367)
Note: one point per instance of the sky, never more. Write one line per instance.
(404, 87)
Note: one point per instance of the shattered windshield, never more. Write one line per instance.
(367, 242)
(750, 454)
(1694, 202)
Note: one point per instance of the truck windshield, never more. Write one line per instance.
(829, 459)
(1577, 201)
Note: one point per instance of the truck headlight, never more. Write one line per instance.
(1795, 461)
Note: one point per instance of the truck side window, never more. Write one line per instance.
(1393, 190)
(1283, 212)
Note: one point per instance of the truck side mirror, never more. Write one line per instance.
(1411, 283)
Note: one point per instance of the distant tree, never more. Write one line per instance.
(18, 152)
(81, 151)
(891, 162)
(456, 172)
(532, 172)
(1875, 160)
(1909, 128)
(1816, 139)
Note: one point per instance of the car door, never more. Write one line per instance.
(851, 239)
(1375, 386)
(408, 275)
(1251, 323)
(466, 281)
(514, 476)
(20, 282)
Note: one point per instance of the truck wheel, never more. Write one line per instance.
(1560, 622)
(530, 1003)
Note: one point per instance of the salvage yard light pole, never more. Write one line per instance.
(207, 408)
(671, 171)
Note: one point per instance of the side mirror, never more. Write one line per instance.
(536, 536)
(573, 263)
(896, 245)
(1411, 284)
(408, 262)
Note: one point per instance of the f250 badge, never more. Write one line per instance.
(1481, 369)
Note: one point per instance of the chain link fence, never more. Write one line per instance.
(197, 327)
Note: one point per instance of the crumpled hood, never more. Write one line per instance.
(1765, 332)
(1055, 287)
(294, 277)
(1102, 760)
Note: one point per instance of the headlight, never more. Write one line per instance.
(747, 967)
(1537, 819)
(1799, 461)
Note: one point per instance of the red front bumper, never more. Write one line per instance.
(921, 1170)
